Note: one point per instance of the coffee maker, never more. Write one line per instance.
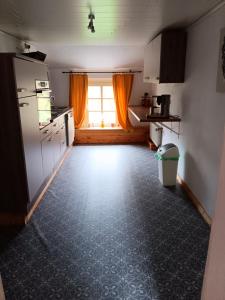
(160, 107)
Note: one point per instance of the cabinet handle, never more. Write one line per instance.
(21, 90)
(23, 104)
(40, 91)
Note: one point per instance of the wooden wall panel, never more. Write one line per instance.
(111, 136)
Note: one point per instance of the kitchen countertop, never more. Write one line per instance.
(141, 114)
(56, 112)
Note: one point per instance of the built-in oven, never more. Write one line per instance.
(44, 99)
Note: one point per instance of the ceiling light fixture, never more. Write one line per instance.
(91, 17)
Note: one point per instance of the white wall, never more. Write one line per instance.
(59, 86)
(213, 285)
(9, 43)
(202, 110)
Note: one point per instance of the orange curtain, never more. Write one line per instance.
(122, 87)
(78, 97)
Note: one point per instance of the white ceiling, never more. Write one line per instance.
(94, 57)
(59, 27)
(118, 22)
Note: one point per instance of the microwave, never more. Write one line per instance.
(42, 84)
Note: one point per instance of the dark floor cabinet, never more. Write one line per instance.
(28, 156)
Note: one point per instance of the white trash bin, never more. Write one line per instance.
(167, 156)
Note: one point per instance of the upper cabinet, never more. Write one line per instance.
(24, 77)
(26, 72)
(164, 58)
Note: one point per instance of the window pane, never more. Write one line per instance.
(95, 118)
(94, 104)
(107, 92)
(109, 118)
(109, 105)
(94, 92)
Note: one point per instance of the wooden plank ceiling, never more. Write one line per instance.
(124, 22)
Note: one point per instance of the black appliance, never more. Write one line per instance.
(162, 105)
(36, 55)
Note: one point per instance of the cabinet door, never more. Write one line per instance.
(40, 72)
(31, 143)
(27, 73)
(147, 66)
(71, 129)
(62, 139)
(152, 60)
(47, 158)
(56, 147)
(25, 77)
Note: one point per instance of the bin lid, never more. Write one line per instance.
(168, 151)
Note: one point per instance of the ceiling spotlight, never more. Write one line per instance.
(90, 25)
(91, 17)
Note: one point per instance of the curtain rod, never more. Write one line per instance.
(101, 72)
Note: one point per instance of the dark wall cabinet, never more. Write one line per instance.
(29, 155)
(164, 58)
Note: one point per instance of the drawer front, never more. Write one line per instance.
(61, 121)
(46, 131)
(58, 123)
(55, 125)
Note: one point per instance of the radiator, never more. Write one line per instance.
(156, 134)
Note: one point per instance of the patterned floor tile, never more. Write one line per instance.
(107, 229)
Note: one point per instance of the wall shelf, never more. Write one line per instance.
(141, 114)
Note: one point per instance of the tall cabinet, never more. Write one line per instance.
(23, 167)
(26, 72)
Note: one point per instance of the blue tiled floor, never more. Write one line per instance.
(107, 229)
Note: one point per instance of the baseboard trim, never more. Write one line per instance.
(200, 208)
(12, 219)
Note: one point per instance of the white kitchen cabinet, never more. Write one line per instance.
(70, 128)
(63, 145)
(152, 60)
(31, 143)
(47, 157)
(164, 58)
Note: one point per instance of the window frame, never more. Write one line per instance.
(101, 83)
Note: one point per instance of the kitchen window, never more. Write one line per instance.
(101, 109)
